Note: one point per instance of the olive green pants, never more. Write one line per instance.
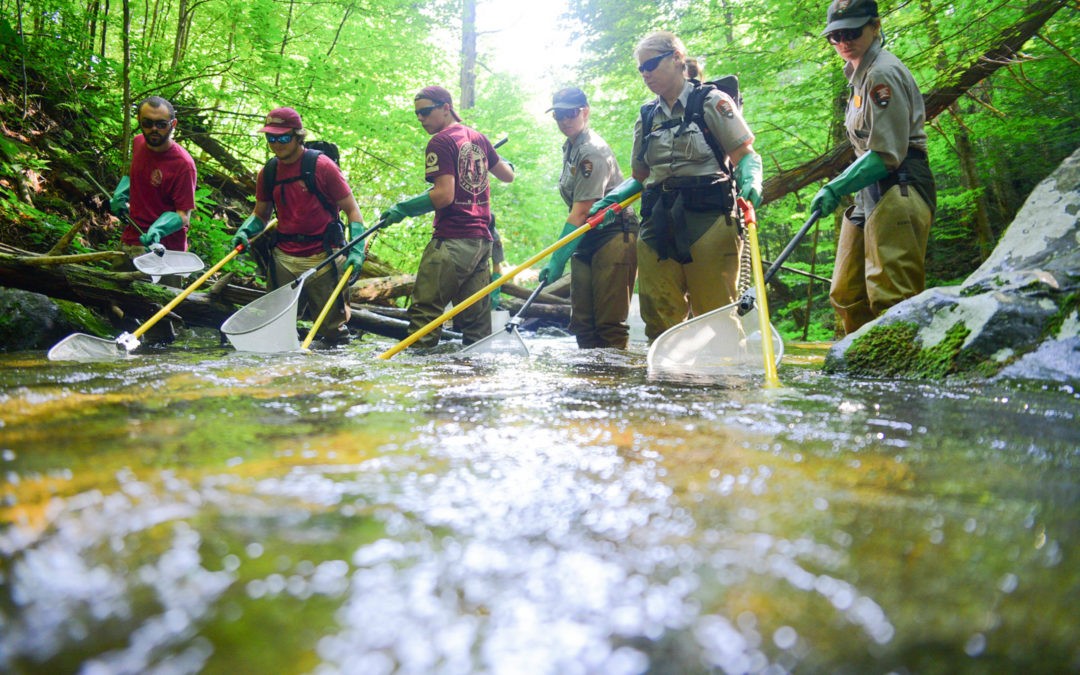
(318, 288)
(670, 291)
(450, 271)
(600, 292)
(884, 264)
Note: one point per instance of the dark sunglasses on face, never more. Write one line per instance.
(146, 123)
(569, 114)
(280, 138)
(650, 65)
(845, 35)
(427, 110)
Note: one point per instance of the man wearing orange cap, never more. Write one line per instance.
(309, 227)
(457, 262)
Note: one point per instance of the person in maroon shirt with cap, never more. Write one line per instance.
(307, 231)
(457, 262)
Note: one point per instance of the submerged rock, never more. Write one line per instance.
(1016, 317)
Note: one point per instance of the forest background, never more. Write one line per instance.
(70, 69)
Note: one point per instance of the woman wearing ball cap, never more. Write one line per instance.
(881, 254)
(604, 260)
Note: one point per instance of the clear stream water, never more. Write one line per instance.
(200, 510)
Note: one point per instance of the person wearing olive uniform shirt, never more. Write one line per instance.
(603, 261)
(880, 258)
(689, 246)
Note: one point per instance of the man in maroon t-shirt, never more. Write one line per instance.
(456, 263)
(307, 231)
(159, 190)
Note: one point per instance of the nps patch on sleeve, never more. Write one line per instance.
(724, 107)
(881, 95)
(431, 163)
(585, 167)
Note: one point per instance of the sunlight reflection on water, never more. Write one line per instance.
(557, 513)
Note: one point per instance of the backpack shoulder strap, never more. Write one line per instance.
(270, 177)
(695, 111)
(648, 112)
(307, 173)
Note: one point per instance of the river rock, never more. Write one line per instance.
(1016, 317)
(34, 321)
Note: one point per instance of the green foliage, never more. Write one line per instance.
(351, 69)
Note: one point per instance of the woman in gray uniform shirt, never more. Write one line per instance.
(604, 260)
(880, 258)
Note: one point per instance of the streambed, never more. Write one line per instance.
(200, 510)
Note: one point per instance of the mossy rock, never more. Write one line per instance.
(34, 321)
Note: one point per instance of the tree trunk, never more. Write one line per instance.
(468, 55)
(125, 141)
(969, 178)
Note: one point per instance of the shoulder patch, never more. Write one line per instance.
(586, 167)
(724, 107)
(881, 95)
(431, 162)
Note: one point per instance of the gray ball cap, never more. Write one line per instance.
(569, 98)
(849, 14)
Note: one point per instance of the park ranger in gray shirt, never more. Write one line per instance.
(880, 258)
(604, 260)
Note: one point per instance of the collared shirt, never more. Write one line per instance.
(689, 154)
(885, 112)
(589, 169)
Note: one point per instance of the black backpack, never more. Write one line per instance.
(695, 112)
(312, 150)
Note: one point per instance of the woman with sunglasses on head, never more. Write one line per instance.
(309, 227)
(880, 258)
(689, 246)
(603, 261)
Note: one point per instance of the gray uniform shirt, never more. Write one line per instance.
(885, 112)
(689, 154)
(589, 169)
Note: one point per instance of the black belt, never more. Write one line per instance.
(916, 153)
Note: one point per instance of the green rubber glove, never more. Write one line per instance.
(497, 292)
(864, 171)
(748, 177)
(410, 208)
(249, 228)
(118, 204)
(355, 257)
(620, 193)
(561, 256)
(166, 224)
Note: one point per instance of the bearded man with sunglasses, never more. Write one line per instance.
(309, 224)
(159, 191)
(457, 261)
(880, 258)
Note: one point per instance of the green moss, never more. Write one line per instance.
(941, 360)
(895, 351)
(79, 315)
(1066, 308)
(884, 350)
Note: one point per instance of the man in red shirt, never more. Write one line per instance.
(159, 191)
(457, 262)
(309, 227)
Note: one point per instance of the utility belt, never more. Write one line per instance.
(665, 205)
(915, 172)
(625, 223)
(333, 236)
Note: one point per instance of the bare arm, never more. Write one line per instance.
(740, 152)
(351, 209)
(579, 212)
(442, 194)
(263, 210)
(503, 172)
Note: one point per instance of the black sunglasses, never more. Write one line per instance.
(568, 114)
(279, 138)
(650, 65)
(427, 110)
(845, 35)
(147, 123)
